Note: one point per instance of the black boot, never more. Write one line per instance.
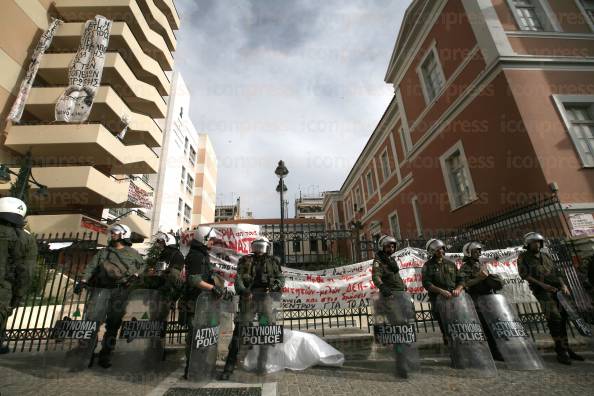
(562, 356)
(104, 359)
(575, 356)
(227, 371)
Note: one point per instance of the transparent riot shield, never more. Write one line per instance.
(576, 319)
(261, 338)
(512, 338)
(467, 342)
(81, 330)
(141, 337)
(206, 331)
(395, 327)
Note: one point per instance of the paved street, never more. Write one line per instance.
(29, 374)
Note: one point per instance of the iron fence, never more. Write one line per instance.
(63, 257)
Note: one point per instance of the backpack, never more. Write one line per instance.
(112, 271)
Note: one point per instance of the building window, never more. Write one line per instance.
(297, 245)
(431, 75)
(358, 199)
(349, 208)
(417, 214)
(588, 9)
(187, 214)
(394, 226)
(186, 143)
(370, 189)
(457, 176)
(385, 165)
(578, 114)
(183, 176)
(180, 207)
(190, 184)
(533, 15)
(313, 245)
(192, 156)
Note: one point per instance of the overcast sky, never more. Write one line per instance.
(296, 80)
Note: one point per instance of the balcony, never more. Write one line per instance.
(158, 22)
(108, 109)
(137, 224)
(122, 41)
(168, 8)
(67, 224)
(75, 188)
(139, 96)
(119, 11)
(89, 144)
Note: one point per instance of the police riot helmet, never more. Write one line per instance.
(433, 245)
(123, 233)
(13, 211)
(470, 246)
(260, 245)
(168, 239)
(387, 240)
(203, 234)
(533, 237)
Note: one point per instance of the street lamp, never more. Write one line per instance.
(281, 171)
(24, 178)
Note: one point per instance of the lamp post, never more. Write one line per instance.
(281, 171)
(20, 187)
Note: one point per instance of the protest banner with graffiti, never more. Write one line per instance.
(84, 74)
(351, 286)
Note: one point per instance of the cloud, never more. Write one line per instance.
(296, 80)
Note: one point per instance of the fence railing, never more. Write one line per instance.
(63, 257)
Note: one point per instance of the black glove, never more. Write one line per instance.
(79, 286)
(385, 290)
(217, 292)
(276, 286)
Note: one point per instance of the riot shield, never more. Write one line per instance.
(512, 338)
(205, 338)
(468, 345)
(395, 326)
(261, 338)
(141, 338)
(578, 322)
(83, 332)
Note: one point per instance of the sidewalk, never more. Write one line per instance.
(40, 375)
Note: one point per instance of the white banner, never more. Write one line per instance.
(16, 112)
(84, 75)
(351, 286)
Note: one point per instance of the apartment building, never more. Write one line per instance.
(99, 163)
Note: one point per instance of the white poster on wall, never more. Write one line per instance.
(16, 112)
(84, 75)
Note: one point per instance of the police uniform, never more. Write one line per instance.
(475, 286)
(541, 267)
(132, 261)
(198, 268)
(444, 274)
(258, 275)
(14, 271)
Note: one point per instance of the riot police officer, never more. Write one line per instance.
(385, 272)
(257, 274)
(478, 282)
(545, 279)
(440, 277)
(16, 254)
(116, 267)
(198, 278)
(164, 273)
